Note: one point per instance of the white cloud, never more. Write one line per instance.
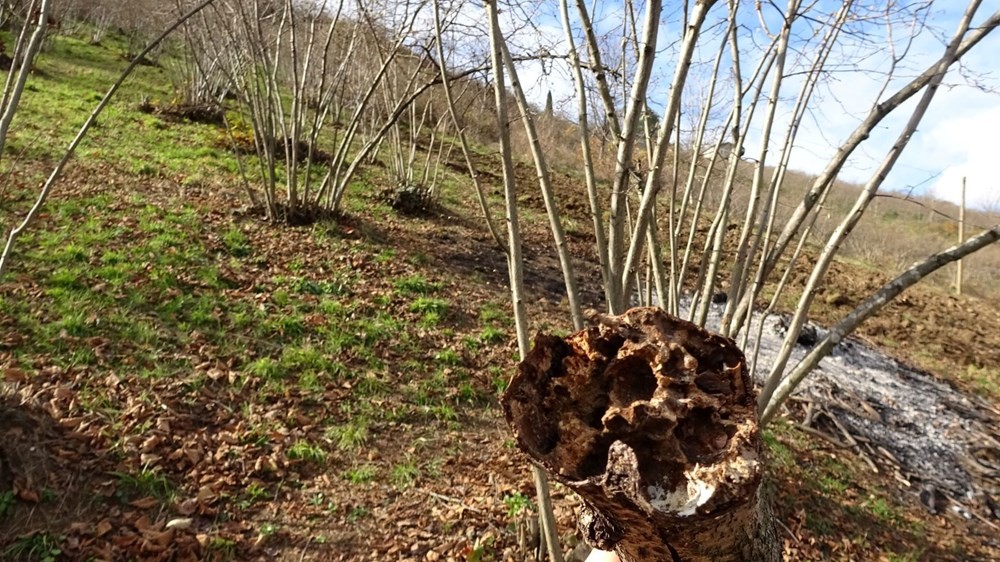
(959, 135)
(968, 146)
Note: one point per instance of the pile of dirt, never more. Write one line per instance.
(206, 113)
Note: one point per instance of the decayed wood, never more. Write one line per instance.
(652, 420)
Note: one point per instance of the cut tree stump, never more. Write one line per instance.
(652, 421)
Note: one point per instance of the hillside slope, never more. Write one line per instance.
(184, 381)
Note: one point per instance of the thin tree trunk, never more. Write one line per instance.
(653, 181)
(588, 161)
(551, 209)
(740, 268)
(515, 263)
(460, 131)
(761, 243)
(14, 88)
(71, 149)
(623, 162)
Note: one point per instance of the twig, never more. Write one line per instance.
(787, 530)
(854, 443)
(870, 413)
(823, 435)
(448, 499)
(901, 478)
(885, 453)
(810, 413)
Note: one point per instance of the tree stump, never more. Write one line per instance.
(652, 421)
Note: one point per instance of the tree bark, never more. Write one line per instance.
(515, 263)
(651, 419)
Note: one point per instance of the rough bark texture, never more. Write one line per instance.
(652, 420)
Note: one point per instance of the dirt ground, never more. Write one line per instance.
(63, 463)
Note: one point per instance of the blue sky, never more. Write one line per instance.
(957, 137)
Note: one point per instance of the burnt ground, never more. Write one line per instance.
(102, 462)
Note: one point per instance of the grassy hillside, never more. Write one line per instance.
(184, 381)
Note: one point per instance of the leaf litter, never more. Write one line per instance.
(225, 459)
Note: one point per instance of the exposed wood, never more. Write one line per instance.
(651, 419)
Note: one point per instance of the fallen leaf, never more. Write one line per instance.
(206, 495)
(151, 443)
(149, 459)
(187, 507)
(13, 374)
(144, 503)
(24, 490)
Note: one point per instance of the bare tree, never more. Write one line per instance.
(28, 43)
(761, 239)
(515, 263)
(295, 69)
(56, 173)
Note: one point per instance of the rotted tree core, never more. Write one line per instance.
(652, 420)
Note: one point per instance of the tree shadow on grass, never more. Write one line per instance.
(464, 247)
(61, 499)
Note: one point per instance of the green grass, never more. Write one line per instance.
(908, 557)
(443, 412)
(499, 380)
(6, 503)
(516, 504)
(140, 298)
(884, 511)
(221, 549)
(36, 547)
(496, 314)
(306, 451)
(404, 474)
(492, 336)
(350, 436)
(448, 357)
(322, 287)
(433, 310)
(266, 368)
(415, 285)
(361, 474)
(357, 512)
(253, 493)
(984, 380)
(145, 483)
(236, 242)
